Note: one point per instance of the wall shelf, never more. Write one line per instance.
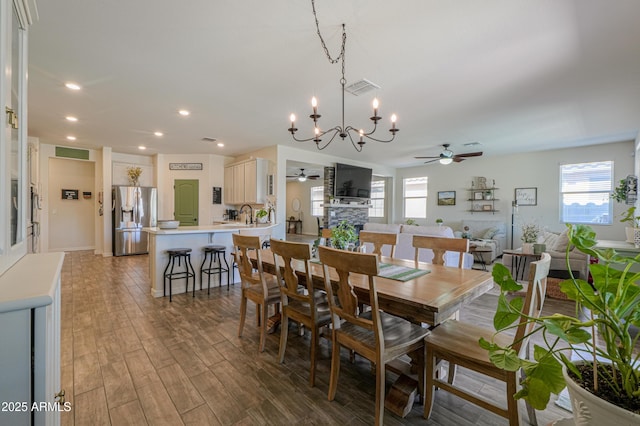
(483, 200)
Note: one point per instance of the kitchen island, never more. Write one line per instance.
(195, 238)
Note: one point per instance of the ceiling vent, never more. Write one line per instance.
(473, 144)
(208, 139)
(361, 86)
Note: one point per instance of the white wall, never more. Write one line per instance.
(71, 222)
(536, 169)
(302, 191)
(212, 174)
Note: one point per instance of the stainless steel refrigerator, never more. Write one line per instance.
(134, 208)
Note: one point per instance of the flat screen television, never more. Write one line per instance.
(352, 182)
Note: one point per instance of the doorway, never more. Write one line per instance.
(185, 208)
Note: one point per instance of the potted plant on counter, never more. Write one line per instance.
(632, 230)
(603, 373)
(262, 216)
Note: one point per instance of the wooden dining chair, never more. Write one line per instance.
(455, 341)
(299, 301)
(440, 246)
(375, 335)
(257, 286)
(378, 240)
(326, 236)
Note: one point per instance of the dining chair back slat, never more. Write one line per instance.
(373, 334)
(378, 240)
(440, 246)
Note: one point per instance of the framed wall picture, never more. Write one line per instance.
(526, 196)
(487, 207)
(446, 198)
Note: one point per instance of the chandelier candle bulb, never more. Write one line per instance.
(393, 121)
(375, 106)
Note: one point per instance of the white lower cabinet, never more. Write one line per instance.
(30, 341)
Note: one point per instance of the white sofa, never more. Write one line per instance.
(404, 248)
(556, 245)
(486, 233)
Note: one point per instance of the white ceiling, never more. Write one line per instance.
(514, 75)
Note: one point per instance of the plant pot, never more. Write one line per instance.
(629, 233)
(527, 248)
(588, 409)
(539, 248)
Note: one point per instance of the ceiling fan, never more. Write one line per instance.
(302, 177)
(447, 156)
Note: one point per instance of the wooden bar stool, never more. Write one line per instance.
(216, 255)
(179, 254)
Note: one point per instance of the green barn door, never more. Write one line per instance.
(186, 201)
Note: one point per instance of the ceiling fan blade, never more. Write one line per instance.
(313, 177)
(457, 159)
(470, 154)
(426, 157)
(431, 161)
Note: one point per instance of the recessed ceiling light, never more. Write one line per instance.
(220, 144)
(72, 86)
(71, 138)
(71, 118)
(184, 112)
(142, 147)
(158, 133)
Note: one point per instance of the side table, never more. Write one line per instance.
(477, 252)
(520, 261)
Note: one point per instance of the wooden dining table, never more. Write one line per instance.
(430, 298)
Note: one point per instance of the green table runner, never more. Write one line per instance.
(395, 272)
(400, 273)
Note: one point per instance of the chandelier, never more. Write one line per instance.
(340, 130)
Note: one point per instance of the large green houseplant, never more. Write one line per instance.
(612, 306)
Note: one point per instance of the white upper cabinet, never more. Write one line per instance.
(246, 182)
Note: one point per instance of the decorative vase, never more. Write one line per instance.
(588, 409)
(527, 248)
(629, 233)
(539, 248)
(134, 182)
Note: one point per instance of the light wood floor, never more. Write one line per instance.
(129, 358)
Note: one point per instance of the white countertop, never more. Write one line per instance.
(206, 229)
(31, 282)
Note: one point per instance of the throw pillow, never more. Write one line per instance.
(550, 239)
(490, 233)
(562, 242)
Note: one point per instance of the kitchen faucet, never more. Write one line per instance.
(250, 212)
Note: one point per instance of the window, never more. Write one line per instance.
(414, 191)
(585, 190)
(317, 199)
(377, 198)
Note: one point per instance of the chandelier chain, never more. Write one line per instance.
(341, 56)
(343, 131)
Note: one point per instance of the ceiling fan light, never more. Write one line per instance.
(447, 160)
(302, 178)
